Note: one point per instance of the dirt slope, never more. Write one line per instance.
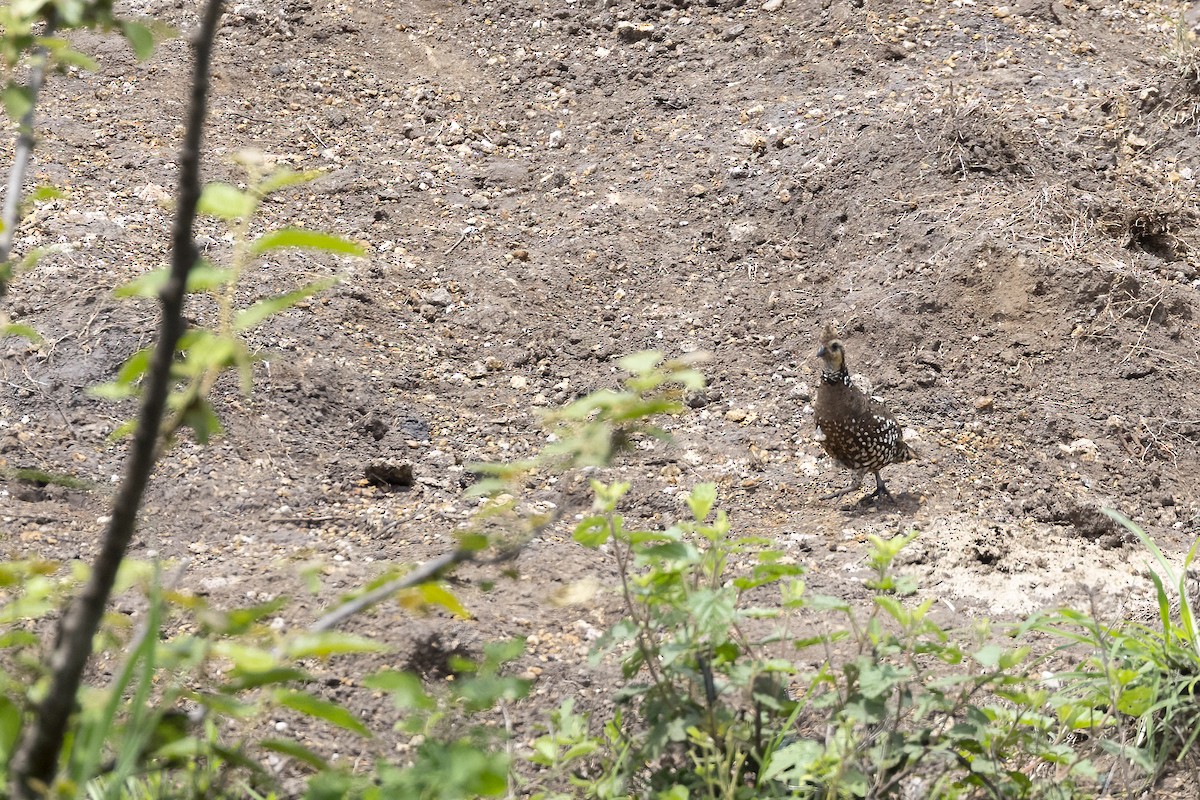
(996, 203)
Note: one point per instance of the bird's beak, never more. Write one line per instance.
(821, 351)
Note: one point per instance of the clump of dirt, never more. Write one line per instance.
(996, 202)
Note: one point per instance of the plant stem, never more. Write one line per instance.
(643, 625)
(35, 763)
(24, 148)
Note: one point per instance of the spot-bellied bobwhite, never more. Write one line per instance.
(858, 432)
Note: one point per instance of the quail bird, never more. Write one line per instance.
(858, 432)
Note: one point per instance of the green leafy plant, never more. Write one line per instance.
(207, 353)
(160, 726)
(704, 705)
(911, 707)
(896, 705)
(1138, 684)
(456, 758)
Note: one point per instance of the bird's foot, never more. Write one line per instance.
(854, 486)
(881, 491)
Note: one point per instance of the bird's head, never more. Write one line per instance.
(833, 354)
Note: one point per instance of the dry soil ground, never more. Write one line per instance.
(996, 203)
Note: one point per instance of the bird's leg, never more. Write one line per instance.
(855, 484)
(881, 490)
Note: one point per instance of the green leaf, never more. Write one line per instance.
(225, 201)
(796, 759)
(405, 688)
(242, 680)
(18, 101)
(284, 177)
(134, 366)
(500, 652)
(188, 747)
(246, 659)
(10, 728)
(126, 428)
(313, 240)
(140, 38)
(482, 692)
(1136, 700)
(878, 680)
(226, 706)
(13, 329)
(330, 784)
(63, 55)
(113, 391)
(287, 747)
(317, 708)
(592, 532)
(713, 610)
(256, 313)
(432, 594)
(328, 643)
(202, 277)
(202, 419)
(989, 656)
(640, 363)
(472, 541)
(702, 499)
(70, 12)
(46, 192)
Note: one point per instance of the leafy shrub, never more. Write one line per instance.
(1136, 689)
(207, 353)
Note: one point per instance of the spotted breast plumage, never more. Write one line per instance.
(857, 431)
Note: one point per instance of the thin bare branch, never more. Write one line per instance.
(35, 763)
(426, 572)
(23, 151)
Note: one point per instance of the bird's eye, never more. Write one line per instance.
(835, 347)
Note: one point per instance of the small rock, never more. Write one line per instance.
(733, 32)
(493, 363)
(634, 31)
(772, 5)
(518, 381)
(745, 232)
(476, 370)
(736, 414)
(697, 190)
(1084, 449)
(153, 193)
(209, 585)
(985, 403)
(479, 202)
(439, 297)
(374, 427)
